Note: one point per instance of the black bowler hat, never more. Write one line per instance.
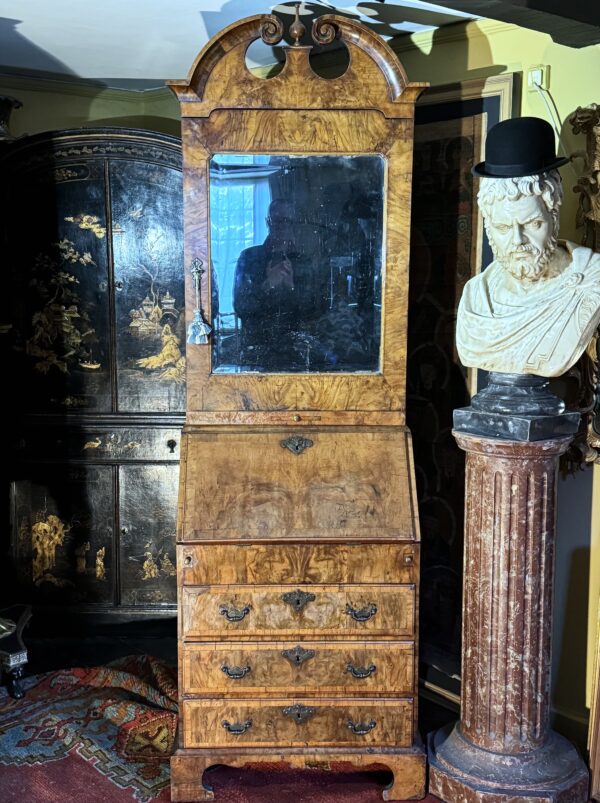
(520, 147)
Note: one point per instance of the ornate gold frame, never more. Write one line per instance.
(585, 375)
(586, 120)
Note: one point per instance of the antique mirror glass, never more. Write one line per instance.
(296, 263)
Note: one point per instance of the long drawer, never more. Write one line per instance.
(297, 723)
(289, 612)
(98, 443)
(298, 563)
(344, 668)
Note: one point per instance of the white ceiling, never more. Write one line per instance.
(140, 43)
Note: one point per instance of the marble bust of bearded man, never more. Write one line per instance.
(535, 308)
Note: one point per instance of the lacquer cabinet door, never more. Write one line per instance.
(147, 247)
(58, 273)
(95, 346)
(63, 533)
(147, 509)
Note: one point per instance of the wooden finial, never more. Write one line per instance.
(297, 29)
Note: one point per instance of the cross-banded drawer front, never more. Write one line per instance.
(288, 611)
(251, 564)
(297, 722)
(344, 668)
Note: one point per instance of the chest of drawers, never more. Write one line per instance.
(297, 601)
(297, 536)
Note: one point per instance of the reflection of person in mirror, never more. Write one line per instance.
(275, 292)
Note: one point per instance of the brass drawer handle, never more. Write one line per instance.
(298, 599)
(296, 444)
(237, 728)
(233, 614)
(299, 713)
(363, 614)
(361, 728)
(361, 671)
(235, 672)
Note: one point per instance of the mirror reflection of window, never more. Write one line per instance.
(296, 250)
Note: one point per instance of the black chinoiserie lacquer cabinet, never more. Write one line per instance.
(94, 352)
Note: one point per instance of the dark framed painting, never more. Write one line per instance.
(448, 246)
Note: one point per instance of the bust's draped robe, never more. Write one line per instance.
(541, 327)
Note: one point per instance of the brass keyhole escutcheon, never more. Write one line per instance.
(297, 655)
(298, 599)
(299, 713)
(296, 444)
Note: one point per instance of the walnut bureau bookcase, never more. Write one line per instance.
(298, 537)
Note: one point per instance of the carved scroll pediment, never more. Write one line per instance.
(220, 78)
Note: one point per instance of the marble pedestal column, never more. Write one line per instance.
(502, 750)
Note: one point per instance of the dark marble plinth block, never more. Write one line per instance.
(516, 407)
(513, 427)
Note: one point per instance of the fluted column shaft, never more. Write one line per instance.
(502, 750)
(508, 583)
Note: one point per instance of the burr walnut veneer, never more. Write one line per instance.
(298, 539)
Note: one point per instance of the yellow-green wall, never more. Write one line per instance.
(50, 105)
(456, 53)
(485, 48)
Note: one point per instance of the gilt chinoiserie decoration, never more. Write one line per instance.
(96, 348)
(298, 538)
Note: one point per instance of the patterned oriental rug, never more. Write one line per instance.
(106, 733)
(98, 734)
